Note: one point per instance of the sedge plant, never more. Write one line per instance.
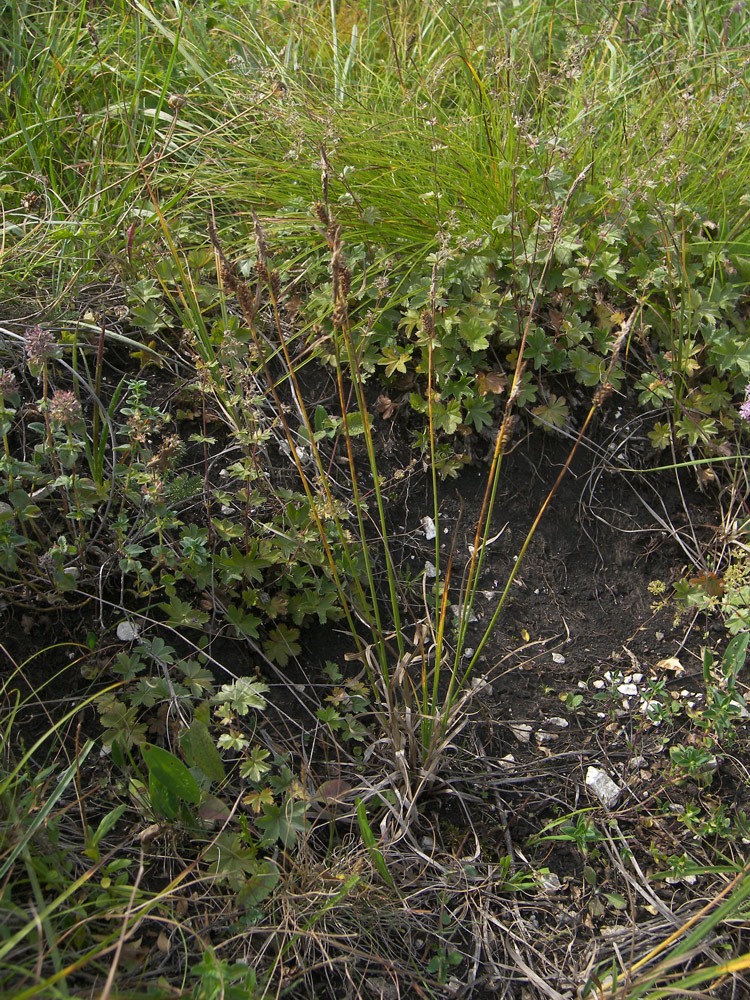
(423, 685)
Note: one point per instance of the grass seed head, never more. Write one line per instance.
(603, 393)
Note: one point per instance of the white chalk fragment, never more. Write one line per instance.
(603, 787)
(428, 526)
(127, 631)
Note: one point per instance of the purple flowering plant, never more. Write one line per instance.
(745, 408)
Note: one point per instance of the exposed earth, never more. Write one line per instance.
(588, 626)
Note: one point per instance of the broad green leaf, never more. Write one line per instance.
(283, 822)
(170, 772)
(242, 695)
(204, 751)
(259, 883)
(735, 655)
(163, 799)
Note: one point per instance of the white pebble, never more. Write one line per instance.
(126, 631)
(603, 786)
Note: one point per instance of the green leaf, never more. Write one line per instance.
(255, 766)
(368, 839)
(395, 360)
(479, 412)
(171, 773)
(538, 346)
(163, 800)
(281, 645)
(661, 435)
(92, 848)
(553, 413)
(615, 900)
(204, 752)
(245, 624)
(475, 329)
(259, 883)
(183, 613)
(231, 858)
(283, 822)
(735, 655)
(242, 695)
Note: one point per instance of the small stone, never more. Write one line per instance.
(676, 879)
(558, 658)
(673, 664)
(659, 636)
(614, 931)
(521, 731)
(603, 787)
(541, 737)
(428, 526)
(598, 685)
(557, 721)
(127, 631)
(627, 689)
(550, 882)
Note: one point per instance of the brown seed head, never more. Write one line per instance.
(40, 346)
(228, 278)
(246, 301)
(505, 433)
(339, 314)
(603, 393)
(8, 383)
(515, 391)
(65, 409)
(334, 236)
(260, 240)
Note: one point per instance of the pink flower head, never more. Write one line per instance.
(745, 408)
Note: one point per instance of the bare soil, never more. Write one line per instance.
(580, 613)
